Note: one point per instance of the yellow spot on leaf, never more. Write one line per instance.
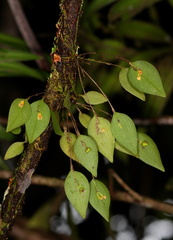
(119, 124)
(101, 196)
(39, 116)
(87, 149)
(81, 189)
(21, 104)
(139, 72)
(144, 143)
(103, 130)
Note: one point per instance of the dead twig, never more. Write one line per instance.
(130, 196)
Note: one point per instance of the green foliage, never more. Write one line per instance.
(124, 131)
(19, 113)
(12, 57)
(77, 190)
(99, 128)
(129, 8)
(148, 31)
(14, 150)
(38, 120)
(94, 98)
(13, 42)
(84, 119)
(125, 83)
(145, 77)
(103, 136)
(100, 198)
(148, 152)
(66, 143)
(4, 135)
(86, 152)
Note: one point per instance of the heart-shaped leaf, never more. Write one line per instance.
(100, 198)
(14, 150)
(84, 119)
(86, 152)
(77, 190)
(94, 98)
(125, 83)
(145, 77)
(99, 129)
(148, 151)
(66, 143)
(124, 131)
(19, 113)
(38, 121)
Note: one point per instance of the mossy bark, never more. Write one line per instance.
(59, 94)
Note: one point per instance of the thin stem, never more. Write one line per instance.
(134, 194)
(135, 198)
(113, 110)
(80, 78)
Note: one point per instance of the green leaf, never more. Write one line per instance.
(77, 190)
(124, 131)
(13, 41)
(100, 198)
(19, 69)
(120, 148)
(19, 113)
(4, 135)
(84, 119)
(55, 123)
(148, 151)
(124, 81)
(99, 129)
(86, 152)
(14, 150)
(17, 55)
(129, 8)
(38, 121)
(66, 144)
(143, 31)
(16, 130)
(146, 78)
(94, 98)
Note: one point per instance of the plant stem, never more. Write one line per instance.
(59, 94)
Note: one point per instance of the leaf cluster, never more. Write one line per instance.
(103, 135)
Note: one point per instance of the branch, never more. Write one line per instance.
(36, 179)
(130, 196)
(165, 120)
